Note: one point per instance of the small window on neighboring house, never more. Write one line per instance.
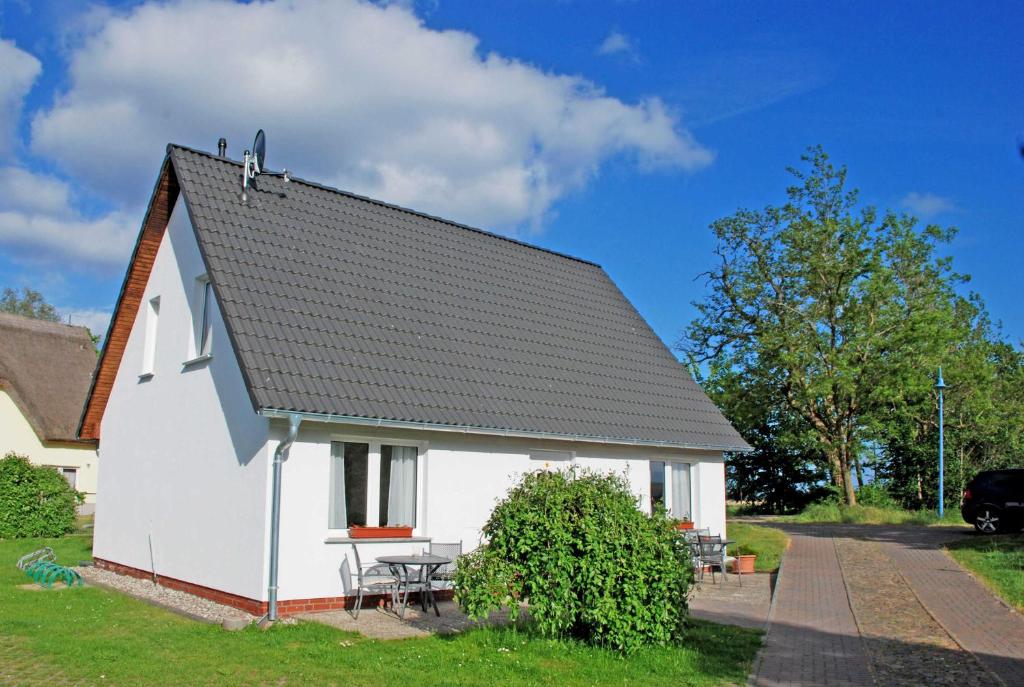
(71, 475)
(203, 317)
(149, 352)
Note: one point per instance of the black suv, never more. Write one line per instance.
(994, 501)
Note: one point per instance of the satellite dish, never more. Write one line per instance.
(259, 151)
(254, 164)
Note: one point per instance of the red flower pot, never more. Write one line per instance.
(684, 525)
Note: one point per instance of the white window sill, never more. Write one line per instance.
(197, 361)
(375, 540)
(145, 376)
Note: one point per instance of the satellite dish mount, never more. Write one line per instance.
(254, 164)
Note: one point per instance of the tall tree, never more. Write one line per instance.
(29, 303)
(835, 309)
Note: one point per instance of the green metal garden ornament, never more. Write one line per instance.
(41, 565)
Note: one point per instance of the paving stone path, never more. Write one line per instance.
(872, 605)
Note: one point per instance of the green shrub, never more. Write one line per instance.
(876, 494)
(35, 500)
(574, 546)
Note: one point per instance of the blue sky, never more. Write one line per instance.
(614, 131)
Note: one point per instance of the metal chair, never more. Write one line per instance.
(376, 579)
(711, 551)
(446, 573)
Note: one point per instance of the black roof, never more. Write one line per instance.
(341, 305)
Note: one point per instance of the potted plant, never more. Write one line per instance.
(744, 560)
(684, 524)
(388, 532)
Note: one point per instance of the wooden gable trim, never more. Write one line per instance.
(165, 195)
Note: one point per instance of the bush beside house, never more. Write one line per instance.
(35, 500)
(574, 546)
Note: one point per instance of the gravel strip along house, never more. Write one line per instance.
(373, 366)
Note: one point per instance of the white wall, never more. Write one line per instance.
(184, 456)
(461, 477)
(17, 435)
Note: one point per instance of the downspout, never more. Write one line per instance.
(275, 512)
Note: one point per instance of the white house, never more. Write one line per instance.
(402, 368)
(45, 368)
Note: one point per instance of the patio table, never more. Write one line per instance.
(428, 565)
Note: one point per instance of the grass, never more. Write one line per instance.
(870, 515)
(767, 542)
(998, 561)
(95, 635)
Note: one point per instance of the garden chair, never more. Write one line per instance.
(446, 573)
(375, 579)
(712, 554)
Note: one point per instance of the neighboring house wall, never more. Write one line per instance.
(18, 436)
(185, 462)
(460, 479)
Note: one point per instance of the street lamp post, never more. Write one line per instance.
(940, 385)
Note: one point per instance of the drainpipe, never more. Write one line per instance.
(275, 512)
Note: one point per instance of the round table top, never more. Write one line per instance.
(414, 559)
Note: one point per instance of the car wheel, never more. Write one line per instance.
(988, 520)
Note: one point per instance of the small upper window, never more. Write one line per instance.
(203, 317)
(149, 351)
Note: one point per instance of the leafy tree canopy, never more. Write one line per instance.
(29, 303)
(825, 322)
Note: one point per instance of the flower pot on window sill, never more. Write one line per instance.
(688, 525)
(360, 532)
(744, 564)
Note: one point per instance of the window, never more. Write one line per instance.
(372, 484)
(203, 317)
(680, 479)
(149, 351)
(398, 485)
(349, 470)
(71, 475)
(657, 484)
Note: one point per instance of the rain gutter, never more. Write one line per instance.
(469, 429)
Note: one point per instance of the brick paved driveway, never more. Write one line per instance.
(878, 605)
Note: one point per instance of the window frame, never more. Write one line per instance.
(373, 478)
(668, 463)
(201, 341)
(152, 329)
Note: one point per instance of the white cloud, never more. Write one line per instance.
(17, 74)
(76, 243)
(927, 205)
(356, 95)
(22, 190)
(96, 319)
(38, 223)
(616, 43)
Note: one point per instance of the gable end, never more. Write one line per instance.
(153, 226)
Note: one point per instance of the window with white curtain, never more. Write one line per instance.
(349, 470)
(680, 486)
(365, 474)
(398, 485)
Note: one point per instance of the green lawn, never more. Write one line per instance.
(998, 560)
(870, 515)
(99, 636)
(767, 542)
